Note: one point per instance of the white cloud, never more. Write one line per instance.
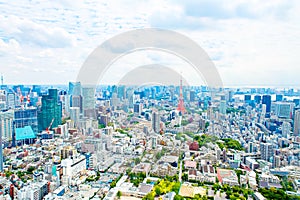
(10, 47)
(26, 31)
(52, 39)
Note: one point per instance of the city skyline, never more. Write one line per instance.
(254, 40)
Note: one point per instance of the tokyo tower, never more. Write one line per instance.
(180, 107)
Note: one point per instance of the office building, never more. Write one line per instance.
(192, 96)
(247, 98)
(74, 88)
(138, 108)
(267, 101)
(257, 99)
(266, 151)
(50, 112)
(10, 100)
(75, 116)
(279, 97)
(286, 129)
(76, 101)
(155, 121)
(6, 122)
(88, 102)
(276, 162)
(222, 107)
(114, 100)
(103, 119)
(26, 117)
(250, 147)
(284, 109)
(297, 123)
(6, 129)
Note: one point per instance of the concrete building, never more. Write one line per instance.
(155, 121)
(286, 129)
(266, 150)
(297, 123)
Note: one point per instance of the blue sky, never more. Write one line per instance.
(252, 43)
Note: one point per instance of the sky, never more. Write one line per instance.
(252, 43)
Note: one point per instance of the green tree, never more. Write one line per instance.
(149, 196)
(30, 169)
(137, 160)
(119, 194)
(178, 197)
(185, 177)
(158, 191)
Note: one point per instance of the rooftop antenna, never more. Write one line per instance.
(2, 79)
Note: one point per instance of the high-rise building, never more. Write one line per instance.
(279, 97)
(75, 115)
(192, 95)
(26, 117)
(276, 162)
(103, 119)
(266, 151)
(285, 129)
(154, 142)
(250, 147)
(114, 99)
(6, 122)
(76, 101)
(74, 88)
(230, 96)
(155, 121)
(6, 130)
(257, 99)
(247, 98)
(88, 102)
(3, 96)
(121, 92)
(10, 100)
(284, 109)
(267, 101)
(222, 107)
(297, 123)
(50, 111)
(138, 108)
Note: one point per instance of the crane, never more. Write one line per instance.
(48, 128)
(20, 95)
(28, 96)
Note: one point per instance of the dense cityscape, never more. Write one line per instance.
(149, 100)
(151, 142)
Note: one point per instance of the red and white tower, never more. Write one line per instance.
(180, 107)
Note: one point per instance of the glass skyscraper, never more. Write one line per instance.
(267, 101)
(26, 117)
(51, 109)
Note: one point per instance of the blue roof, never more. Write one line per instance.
(24, 133)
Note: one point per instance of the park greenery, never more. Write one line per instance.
(230, 143)
(161, 153)
(233, 193)
(287, 185)
(162, 187)
(137, 178)
(204, 139)
(276, 194)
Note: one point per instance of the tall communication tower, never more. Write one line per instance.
(180, 107)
